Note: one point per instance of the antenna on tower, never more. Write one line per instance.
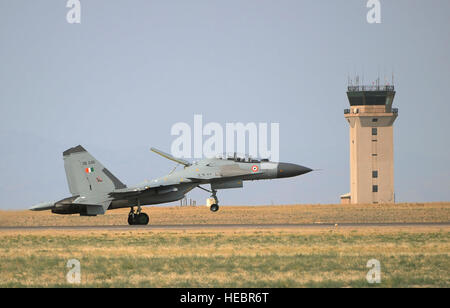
(363, 76)
(378, 79)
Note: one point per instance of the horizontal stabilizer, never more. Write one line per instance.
(94, 202)
(95, 209)
(42, 206)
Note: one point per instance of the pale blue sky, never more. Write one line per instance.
(118, 81)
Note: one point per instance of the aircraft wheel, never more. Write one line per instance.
(142, 219)
(214, 207)
(138, 219)
(132, 219)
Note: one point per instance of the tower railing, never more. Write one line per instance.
(370, 88)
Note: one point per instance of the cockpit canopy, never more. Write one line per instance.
(240, 158)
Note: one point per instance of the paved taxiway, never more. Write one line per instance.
(229, 226)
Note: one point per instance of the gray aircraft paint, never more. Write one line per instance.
(94, 189)
(76, 163)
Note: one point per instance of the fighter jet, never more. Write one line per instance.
(95, 189)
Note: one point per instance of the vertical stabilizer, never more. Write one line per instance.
(85, 174)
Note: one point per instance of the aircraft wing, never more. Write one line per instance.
(158, 189)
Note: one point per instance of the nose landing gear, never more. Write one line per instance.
(213, 202)
(214, 207)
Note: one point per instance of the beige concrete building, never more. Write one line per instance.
(371, 118)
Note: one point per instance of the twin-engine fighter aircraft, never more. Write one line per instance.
(95, 189)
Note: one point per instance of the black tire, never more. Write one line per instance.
(131, 220)
(214, 207)
(142, 219)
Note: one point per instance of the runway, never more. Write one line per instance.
(230, 226)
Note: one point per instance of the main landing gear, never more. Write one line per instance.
(137, 218)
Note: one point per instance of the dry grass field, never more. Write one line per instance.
(307, 257)
(283, 214)
(410, 257)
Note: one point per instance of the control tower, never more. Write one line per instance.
(371, 118)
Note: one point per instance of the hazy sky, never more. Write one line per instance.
(117, 82)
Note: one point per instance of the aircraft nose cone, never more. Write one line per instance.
(286, 170)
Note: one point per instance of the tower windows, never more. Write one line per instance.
(374, 131)
(374, 120)
(375, 188)
(375, 174)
